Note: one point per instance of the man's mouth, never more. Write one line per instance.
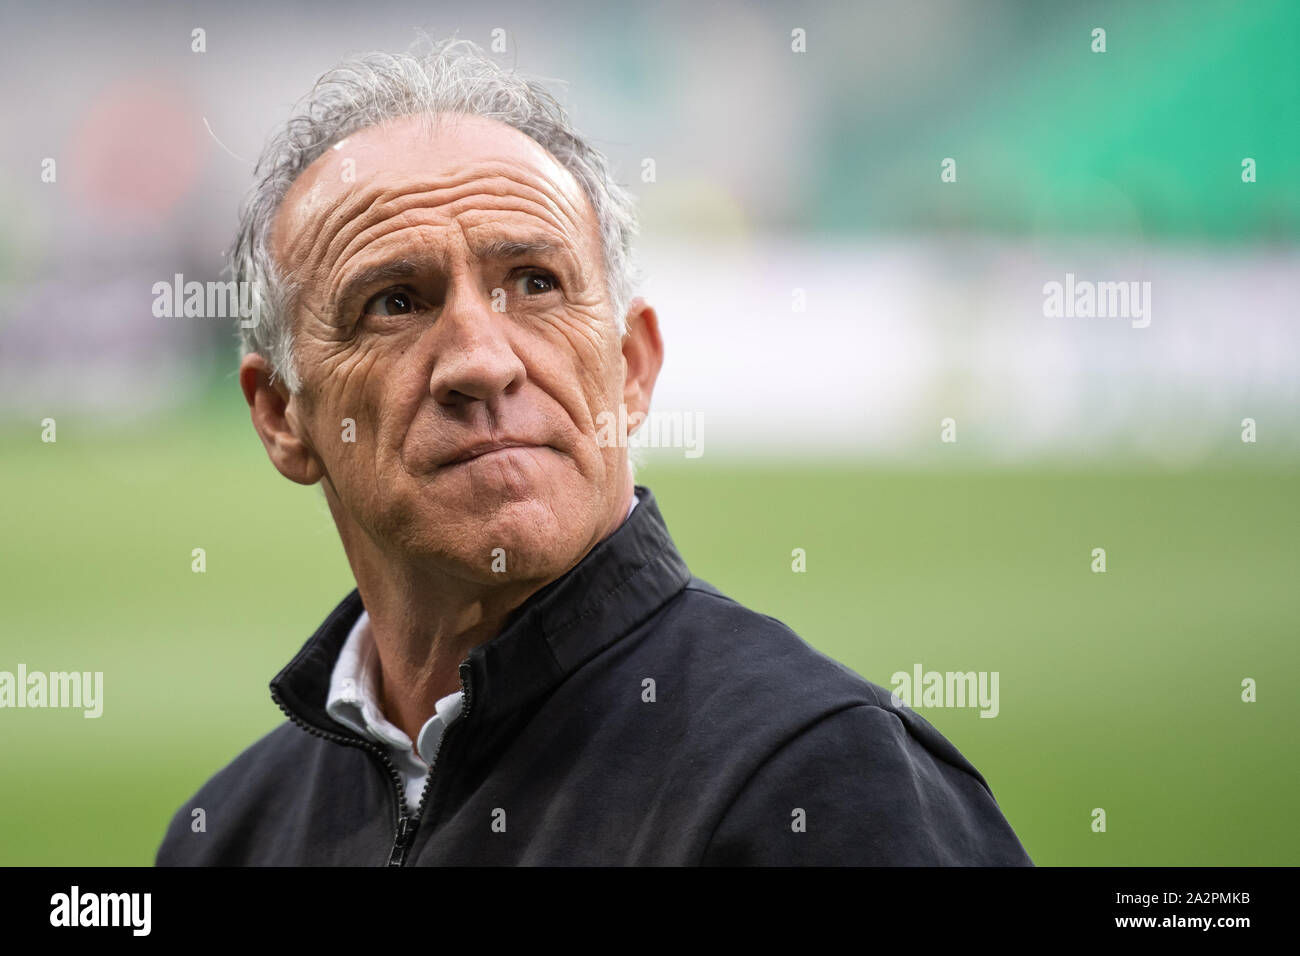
(488, 448)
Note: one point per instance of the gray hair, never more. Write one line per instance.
(454, 76)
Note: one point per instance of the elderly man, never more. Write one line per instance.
(527, 672)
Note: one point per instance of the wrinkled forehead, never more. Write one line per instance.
(427, 159)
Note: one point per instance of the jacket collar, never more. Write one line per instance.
(620, 584)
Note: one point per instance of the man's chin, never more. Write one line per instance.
(506, 537)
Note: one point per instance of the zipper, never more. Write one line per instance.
(399, 859)
(402, 840)
(406, 824)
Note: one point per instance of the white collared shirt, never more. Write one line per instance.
(354, 702)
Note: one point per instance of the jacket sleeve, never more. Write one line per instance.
(862, 787)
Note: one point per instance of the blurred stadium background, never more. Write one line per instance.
(775, 172)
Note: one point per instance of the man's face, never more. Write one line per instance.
(454, 307)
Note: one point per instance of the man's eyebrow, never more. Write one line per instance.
(391, 271)
(519, 248)
(397, 270)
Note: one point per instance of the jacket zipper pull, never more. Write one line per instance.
(406, 828)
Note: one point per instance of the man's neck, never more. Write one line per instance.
(424, 625)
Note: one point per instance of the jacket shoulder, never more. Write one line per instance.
(861, 788)
(778, 671)
(805, 732)
(250, 781)
(770, 667)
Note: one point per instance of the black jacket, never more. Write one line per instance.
(750, 747)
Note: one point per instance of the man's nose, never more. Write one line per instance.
(475, 360)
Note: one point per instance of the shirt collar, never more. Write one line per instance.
(619, 585)
(353, 698)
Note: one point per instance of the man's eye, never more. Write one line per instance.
(536, 282)
(391, 302)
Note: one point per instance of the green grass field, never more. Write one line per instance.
(1118, 690)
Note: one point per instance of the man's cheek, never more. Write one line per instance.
(354, 383)
(582, 334)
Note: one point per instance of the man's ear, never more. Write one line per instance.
(643, 354)
(269, 407)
